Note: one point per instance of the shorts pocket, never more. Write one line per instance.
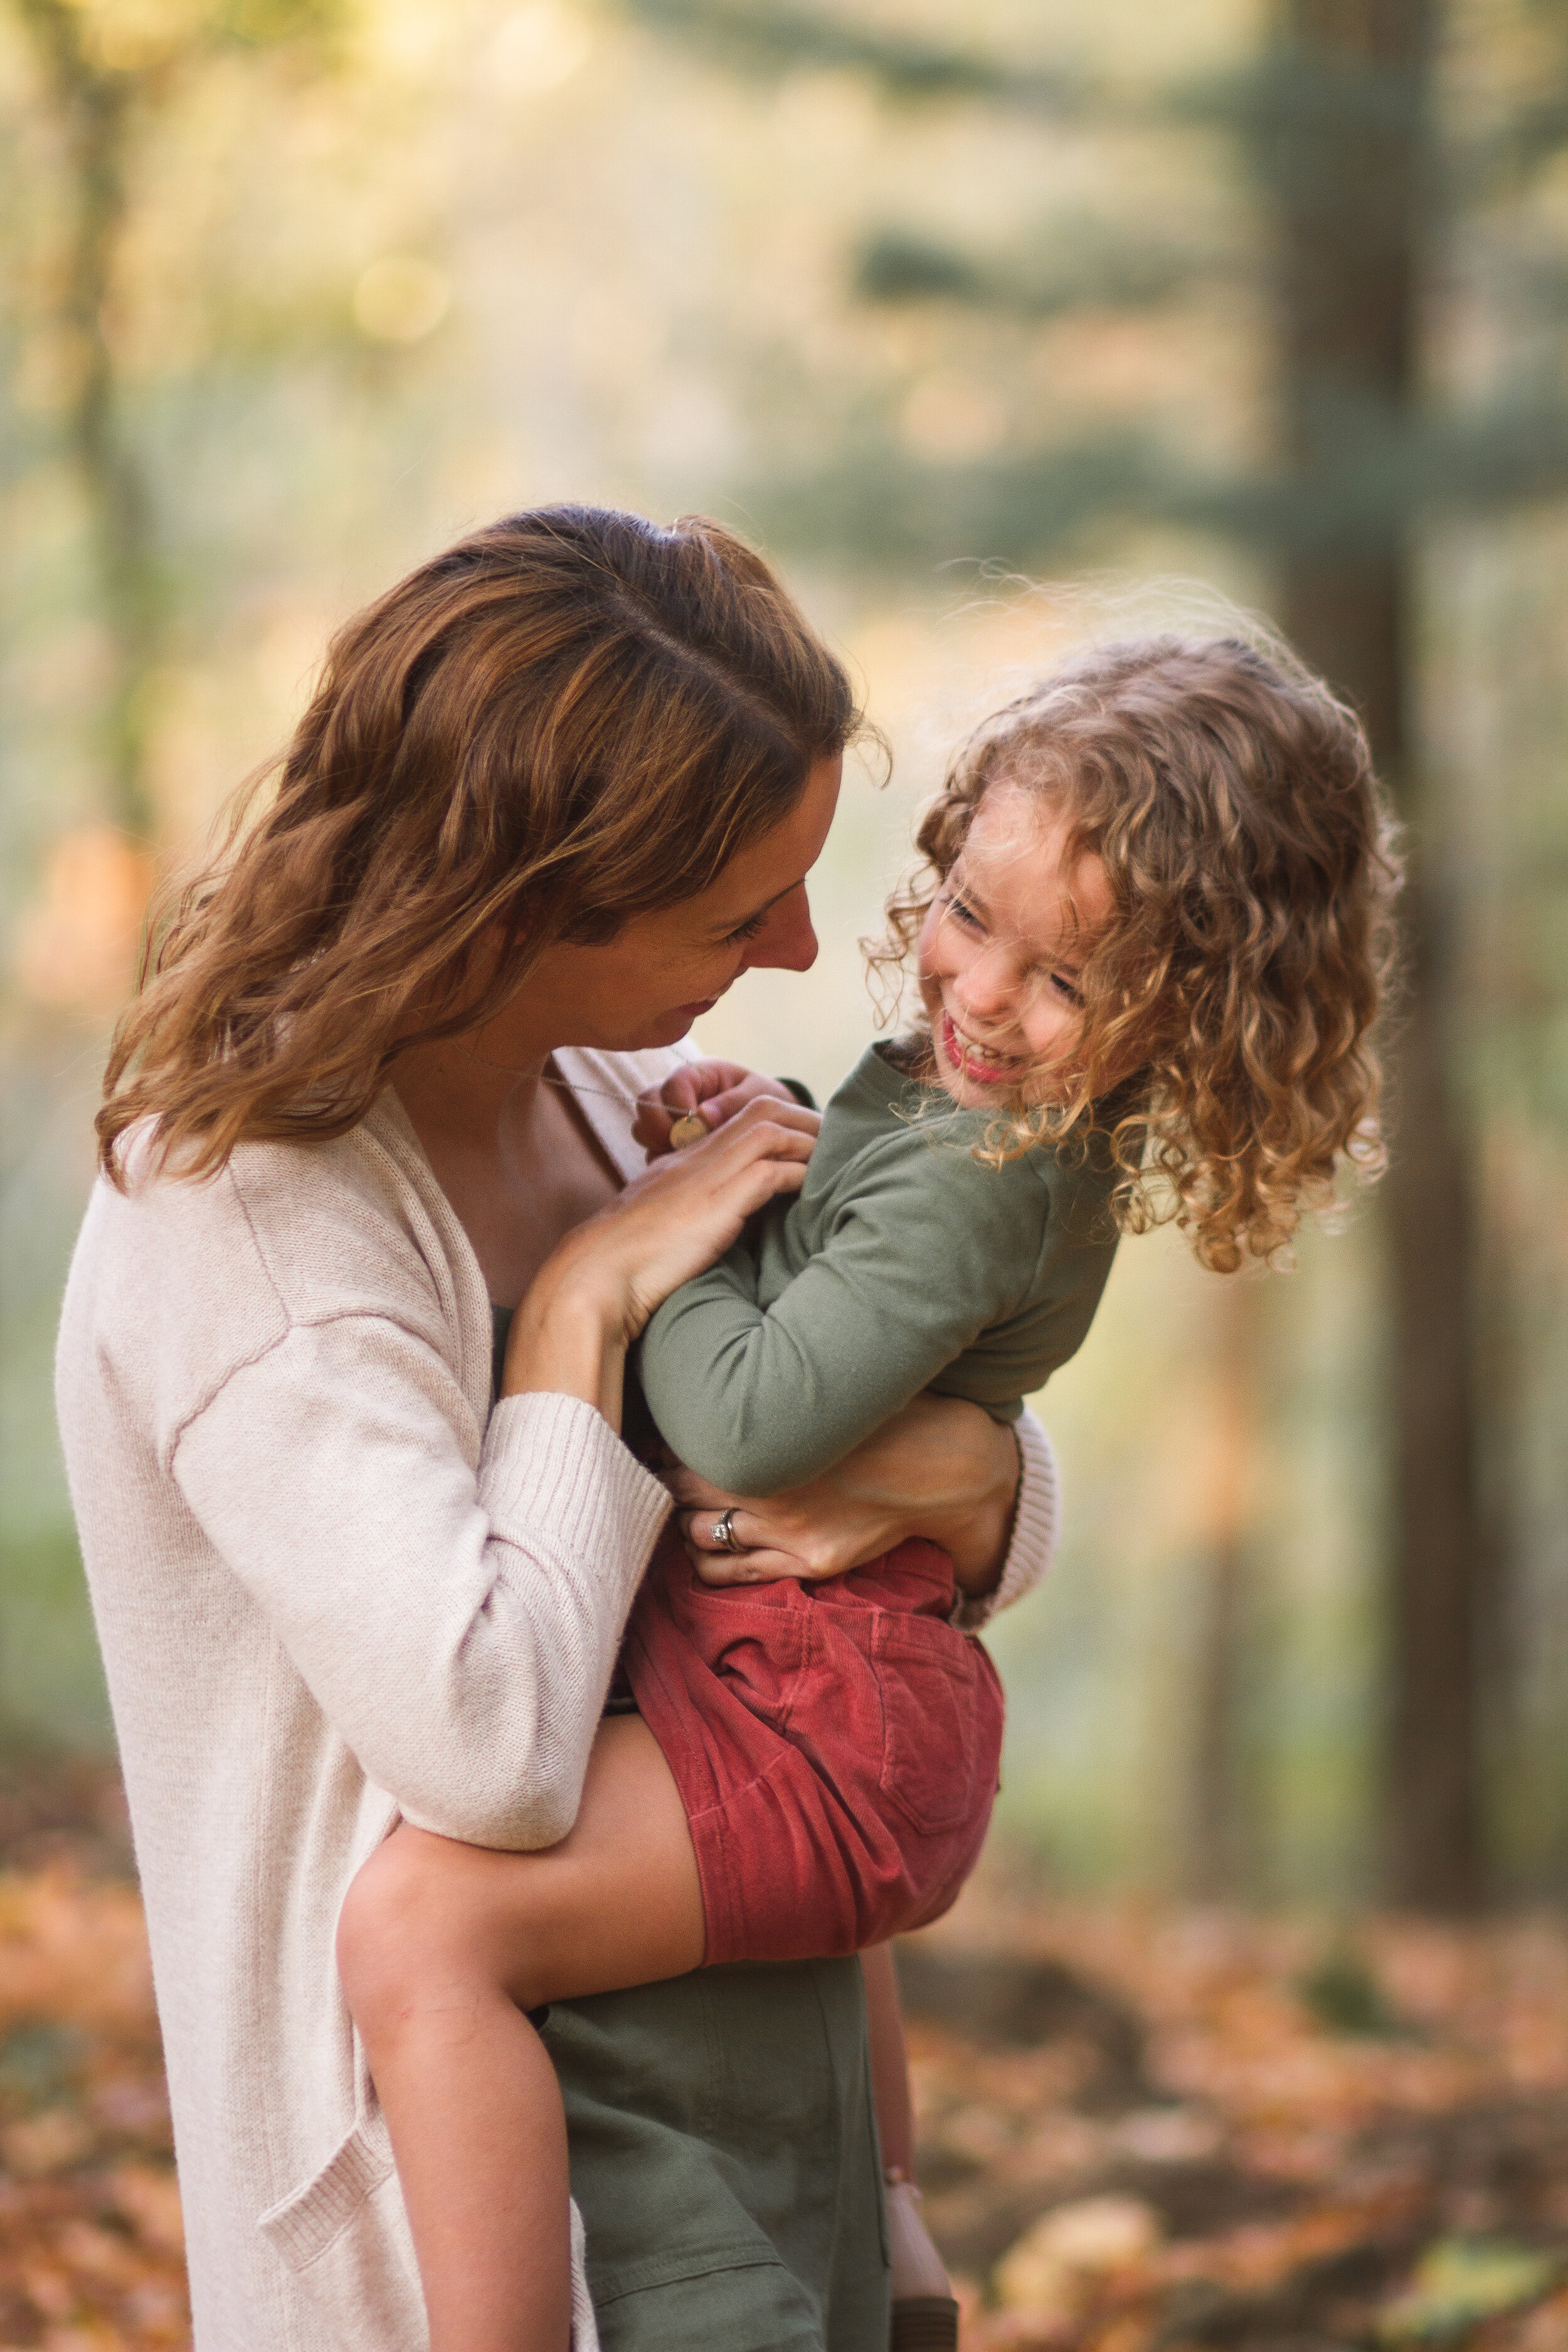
(929, 1677)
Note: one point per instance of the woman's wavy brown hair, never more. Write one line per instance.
(568, 718)
(1232, 802)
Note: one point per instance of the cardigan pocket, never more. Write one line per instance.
(345, 2236)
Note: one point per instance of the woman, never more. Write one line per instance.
(555, 792)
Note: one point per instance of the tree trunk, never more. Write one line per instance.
(1349, 159)
(94, 103)
(1219, 1836)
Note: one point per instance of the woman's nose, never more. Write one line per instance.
(786, 941)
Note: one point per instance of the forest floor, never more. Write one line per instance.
(1145, 2128)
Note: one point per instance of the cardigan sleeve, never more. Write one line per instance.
(457, 1627)
(1037, 1527)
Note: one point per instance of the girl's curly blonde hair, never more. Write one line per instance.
(1251, 860)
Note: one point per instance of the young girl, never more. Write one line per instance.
(1149, 942)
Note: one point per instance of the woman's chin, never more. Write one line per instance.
(652, 1031)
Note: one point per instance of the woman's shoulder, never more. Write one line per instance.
(283, 1233)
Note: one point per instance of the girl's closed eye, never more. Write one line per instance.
(962, 911)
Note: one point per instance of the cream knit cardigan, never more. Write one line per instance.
(332, 1587)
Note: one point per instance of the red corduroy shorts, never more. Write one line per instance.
(835, 1747)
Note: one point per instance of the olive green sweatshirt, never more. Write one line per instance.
(904, 1263)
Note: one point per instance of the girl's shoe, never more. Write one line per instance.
(924, 2322)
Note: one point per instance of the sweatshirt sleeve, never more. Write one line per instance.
(458, 1628)
(759, 1399)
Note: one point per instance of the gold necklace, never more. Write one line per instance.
(605, 1094)
(684, 1131)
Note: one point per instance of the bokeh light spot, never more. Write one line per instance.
(951, 420)
(537, 47)
(400, 298)
(76, 946)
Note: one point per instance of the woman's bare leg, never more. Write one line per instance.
(890, 2061)
(441, 1948)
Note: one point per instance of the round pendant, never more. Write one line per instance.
(688, 1129)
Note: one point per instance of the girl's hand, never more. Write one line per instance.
(942, 1468)
(712, 1091)
(598, 1286)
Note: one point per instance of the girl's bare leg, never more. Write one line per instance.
(441, 1948)
(918, 2268)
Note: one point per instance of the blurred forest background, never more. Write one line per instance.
(995, 326)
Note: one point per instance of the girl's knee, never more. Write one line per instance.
(400, 1934)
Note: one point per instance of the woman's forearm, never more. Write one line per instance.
(567, 1339)
(976, 1535)
(940, 1468)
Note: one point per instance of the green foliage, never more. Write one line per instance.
(1369, 468)
(112, 41)
(265, 24)
(1458, 2281)
(1086, 266)
(41, 2062)
(769, 37)
(1342, 1992)
(51, 1683)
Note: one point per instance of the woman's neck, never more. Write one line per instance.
(453, 1089)
(474, 1090)
(519, 1169)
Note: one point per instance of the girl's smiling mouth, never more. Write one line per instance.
(978, 1064)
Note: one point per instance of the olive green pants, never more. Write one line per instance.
(724, 2154)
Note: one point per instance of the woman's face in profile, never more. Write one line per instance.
(662, 972)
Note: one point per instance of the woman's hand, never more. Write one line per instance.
(712, 1091)
(942, 1468)
(598, 1286)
